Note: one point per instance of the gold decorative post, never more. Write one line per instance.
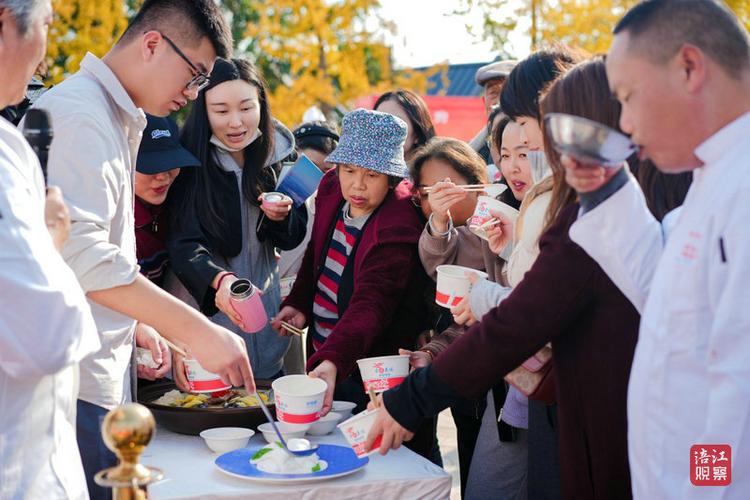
(126, 431)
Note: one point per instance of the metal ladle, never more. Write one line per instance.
(299, 447)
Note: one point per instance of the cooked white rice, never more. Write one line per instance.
(274, 460)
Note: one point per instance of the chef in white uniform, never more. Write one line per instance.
(684, 86)
(46, 326)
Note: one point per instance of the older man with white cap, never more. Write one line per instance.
(491, 77)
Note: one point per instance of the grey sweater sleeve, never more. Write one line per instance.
(486, 295)
(590, 201)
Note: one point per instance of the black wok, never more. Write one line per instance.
(194, 420)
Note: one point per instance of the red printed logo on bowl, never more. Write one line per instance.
(356, 429)
(386, 379)
(360, 450)
(711, 464)
(201, 380)
(291, 413)
(383, 384)
(383, 373)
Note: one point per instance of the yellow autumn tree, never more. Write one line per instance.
(585, 24)
(588, 24)
(81, 26)
(329, 55)
(742, 9)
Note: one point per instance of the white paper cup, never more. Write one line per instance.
(384, 372)
(453, 284)
(482, 214)
(298, 399)
(273, 199)
(202, 380)
(356, 429)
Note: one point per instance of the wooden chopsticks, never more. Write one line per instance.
(489, 223)
(373, 397)
(291, 328)
(174, 347)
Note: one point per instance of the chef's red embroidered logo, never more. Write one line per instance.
(689, 250)
(710, 464)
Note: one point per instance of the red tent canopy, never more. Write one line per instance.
(454, 116)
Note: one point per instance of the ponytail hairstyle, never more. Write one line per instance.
(525, 83)
(204, 189)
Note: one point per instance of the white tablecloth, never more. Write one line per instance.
(190, 472)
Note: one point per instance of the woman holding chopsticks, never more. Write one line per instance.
(503, 440)
(449, 176)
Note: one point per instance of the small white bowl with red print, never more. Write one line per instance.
(298, 399)
(453, 284)
(201, 380)
(482, 218)
(383, 372)
(355, 431)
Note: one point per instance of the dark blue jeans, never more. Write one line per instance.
(94, 454)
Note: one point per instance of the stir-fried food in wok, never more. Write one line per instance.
(231, 399)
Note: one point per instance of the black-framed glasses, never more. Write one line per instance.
(200, 79)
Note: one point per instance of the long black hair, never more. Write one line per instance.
(204, 189)
(520, 95)
(416, 109)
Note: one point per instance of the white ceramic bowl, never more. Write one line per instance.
(325, 425)
(225, 439)
(287, 432)
(344, 408)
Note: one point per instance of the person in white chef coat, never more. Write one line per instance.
(46, 326)
(681, 70)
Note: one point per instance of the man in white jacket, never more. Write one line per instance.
(46, 326)
(681, 70)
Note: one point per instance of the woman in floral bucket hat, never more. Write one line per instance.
(360, 286)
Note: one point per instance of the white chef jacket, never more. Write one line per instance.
(45, 329)
(98, 131)
(690, 380)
